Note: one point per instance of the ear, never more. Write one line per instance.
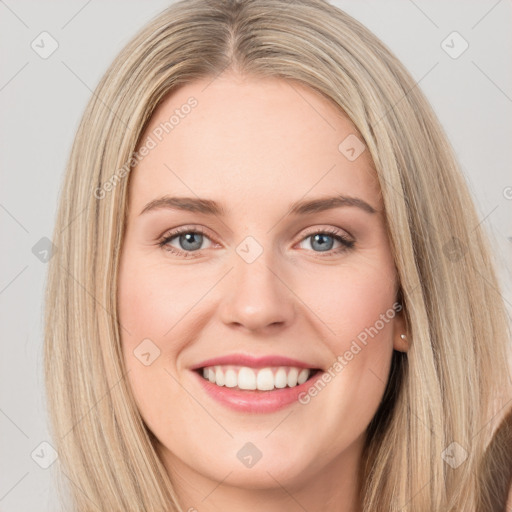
(401, 338)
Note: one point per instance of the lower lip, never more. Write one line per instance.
(254, 400)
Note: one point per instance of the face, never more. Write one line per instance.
(255, 281)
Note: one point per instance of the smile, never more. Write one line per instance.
(261, 379)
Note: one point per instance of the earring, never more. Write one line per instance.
(403, 336)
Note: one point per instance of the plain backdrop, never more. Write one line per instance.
(42, 100)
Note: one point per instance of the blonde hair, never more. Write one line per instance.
(441, 392)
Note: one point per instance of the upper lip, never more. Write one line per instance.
(252, 361)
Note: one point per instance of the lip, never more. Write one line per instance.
(255, 401)
(253, 362)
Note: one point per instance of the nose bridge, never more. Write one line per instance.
(257, 296)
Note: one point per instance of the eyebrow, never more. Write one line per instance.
(210, 207)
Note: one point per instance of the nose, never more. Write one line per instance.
(257, 297)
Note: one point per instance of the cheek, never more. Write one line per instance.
(352, 301)
(152, 302)
(151, 305)
(355, 304)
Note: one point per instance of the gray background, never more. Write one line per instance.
(41, 101)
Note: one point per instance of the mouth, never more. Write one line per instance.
(255, 384)
(265, 379)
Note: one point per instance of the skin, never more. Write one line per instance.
(256, 146)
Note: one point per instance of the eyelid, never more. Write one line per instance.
(328, 230)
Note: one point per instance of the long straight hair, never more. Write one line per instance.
(440, 396)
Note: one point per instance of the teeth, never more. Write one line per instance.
(265, 380)
(303, 376)
(292, 377)
(280, 379)
(231, 379)
(262, 379)
(246, 378)
(219, 377)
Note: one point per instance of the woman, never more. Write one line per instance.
(332, 340)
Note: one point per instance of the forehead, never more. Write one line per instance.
(251, 140)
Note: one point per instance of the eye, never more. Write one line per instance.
(322, 241)
(188, 240)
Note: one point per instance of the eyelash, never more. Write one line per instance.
(346, 243)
